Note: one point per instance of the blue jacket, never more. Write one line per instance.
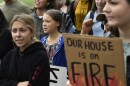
(59, 58)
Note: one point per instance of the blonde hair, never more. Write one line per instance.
(27, 20)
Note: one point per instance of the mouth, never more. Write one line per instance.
(109, 17)
(19, 41)
(44, 29)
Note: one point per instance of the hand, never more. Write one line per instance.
(25, 83)
(68, 83)
(86, 26)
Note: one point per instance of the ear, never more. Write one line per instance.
(32, 34)
(57, 24)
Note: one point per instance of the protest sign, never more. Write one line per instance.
(95, 61)
(58, 76)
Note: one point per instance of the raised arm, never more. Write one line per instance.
(86, 26)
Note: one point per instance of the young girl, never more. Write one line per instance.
(27, 64)
(78, 11)
(41, 6)
(118, 15)
(54, 41)
(97, 28)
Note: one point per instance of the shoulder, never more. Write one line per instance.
(40, 55)
(11, 54)
(43, 39)
(22, 6)
(21, 3)
(34, 15)
(88, 15)
(37, 50)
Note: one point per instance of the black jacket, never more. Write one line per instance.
(31, 65)
(6, 42)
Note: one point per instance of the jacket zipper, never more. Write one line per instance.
(20, 65)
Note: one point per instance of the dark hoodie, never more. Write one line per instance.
(6, 42)
(31, 65)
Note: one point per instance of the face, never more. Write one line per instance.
(117, 13)
(49, 25)
(40, 3)
(60, 3)
(21, 34)
(100, 4)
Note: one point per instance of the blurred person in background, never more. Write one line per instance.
(6, 42)
(54, 41)
(12, 7)
(63, 5)
(78, 11)
(40, 7)
(98, 27)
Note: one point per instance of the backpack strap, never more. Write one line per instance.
(91, 16)
(63, 27)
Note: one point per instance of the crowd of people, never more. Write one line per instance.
(32, 39)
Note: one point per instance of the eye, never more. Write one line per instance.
(23, 30)
(14, 30)
(47, 21)
(113, 3)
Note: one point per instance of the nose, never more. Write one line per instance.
(106, 8)
(18, 33)
(44, 24)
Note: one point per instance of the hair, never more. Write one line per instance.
(67, 2)
(94, 7)
(56, 15)
(114, 32)
(27, 20)
(90, 4)
(60, 3)
(51, 4)
(128, 1)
